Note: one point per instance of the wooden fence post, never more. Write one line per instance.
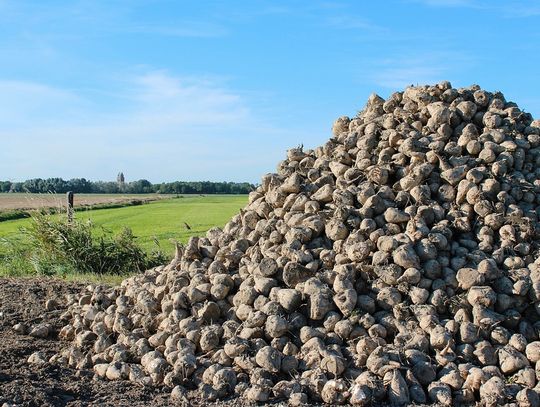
(69, 197)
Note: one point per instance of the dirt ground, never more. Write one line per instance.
(22, 300)
(38, 201)
(22, 384)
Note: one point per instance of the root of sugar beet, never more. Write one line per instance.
(396, 263)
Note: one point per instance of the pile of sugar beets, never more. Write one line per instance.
(397, 263)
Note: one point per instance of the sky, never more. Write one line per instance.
(219, 90)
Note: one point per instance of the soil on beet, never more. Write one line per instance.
(23, 384)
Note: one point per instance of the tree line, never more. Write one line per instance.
(142, 186)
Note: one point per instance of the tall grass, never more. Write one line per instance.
(54, 247)
(22, 253)
(13, 214)
(14, 260)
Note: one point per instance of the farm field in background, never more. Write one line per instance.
(162, 220)
(22, 201)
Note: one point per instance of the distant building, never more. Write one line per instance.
(120, 179)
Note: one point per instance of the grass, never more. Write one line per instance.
(13, 214)
(160, 221)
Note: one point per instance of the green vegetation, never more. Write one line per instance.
(59, 247)
(153, 227)
(142, 186)
(14, 214)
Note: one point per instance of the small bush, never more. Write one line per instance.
(12, 215)
(61, 248)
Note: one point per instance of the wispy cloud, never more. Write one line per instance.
(400, 77)
(97, 18)
(352, 22)
(22, 101)
(509, 9)
(189, 29)
(169, 127)
(522, 10)
(194, 101)
(405, 70)
(447, 3)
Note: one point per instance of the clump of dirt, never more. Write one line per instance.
(397, 263)
(23, 304)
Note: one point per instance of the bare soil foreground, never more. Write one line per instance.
(23, 384)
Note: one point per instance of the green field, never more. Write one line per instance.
(163, 220)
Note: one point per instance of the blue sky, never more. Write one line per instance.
(218, 90)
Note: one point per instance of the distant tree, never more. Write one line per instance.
(32, 185)
(101, 187)
(142, 186)
(79, 185)
(5, 186)
(16, 187)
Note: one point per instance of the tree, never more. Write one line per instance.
(5, 186)
(142, 186)
(79, 185)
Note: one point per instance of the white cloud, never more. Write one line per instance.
(522, 10)
(185, 100)
(509, 9)
(86, 19)
(401, 77)
(21, 101)
(193, 29)
(448, 3)
(169, 127)
(405, 70)
(355, 22)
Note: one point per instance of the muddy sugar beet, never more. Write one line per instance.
(397, 263)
